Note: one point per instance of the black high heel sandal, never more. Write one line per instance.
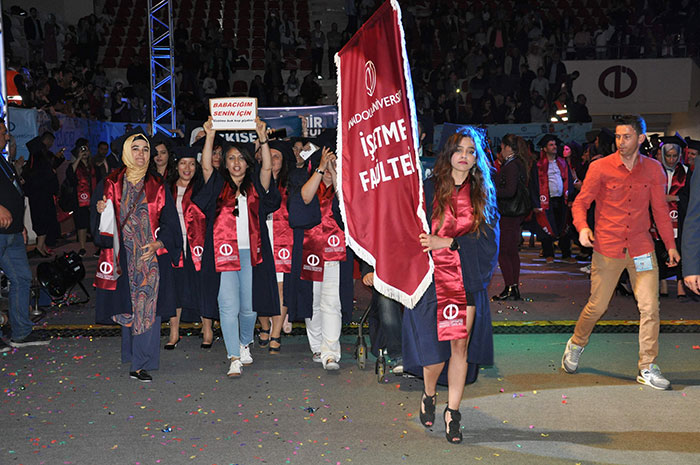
(263, 342)
(453, 430)
(275, 350)
(170, 346)
(427, 418)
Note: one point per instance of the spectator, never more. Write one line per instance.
(291, 88)
(334, 39)
(311, 92)
(51, 31)
(578, 111)
(318, 41)
(34, 34)
(540, 84)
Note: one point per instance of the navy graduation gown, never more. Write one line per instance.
(479, 256)
(265, 292)
(109, 303)
(298, 293)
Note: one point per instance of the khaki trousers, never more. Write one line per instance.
(605, 273)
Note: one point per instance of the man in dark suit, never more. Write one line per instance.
(34, 35)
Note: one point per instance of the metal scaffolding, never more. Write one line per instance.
(3, 70)
(160, 27)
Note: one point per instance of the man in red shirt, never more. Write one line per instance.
(624, 185)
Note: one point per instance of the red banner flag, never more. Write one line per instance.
(380, 187)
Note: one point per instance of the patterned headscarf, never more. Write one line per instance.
(134, 173)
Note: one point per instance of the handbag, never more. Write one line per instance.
(518, 205)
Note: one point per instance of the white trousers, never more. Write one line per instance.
(323, 328)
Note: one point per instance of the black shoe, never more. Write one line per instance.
(509, 293)
(278, 341)
(170, 346)
(502, 296)
(4, 347)
(205, 345)
(453, 430)
(141, 375)
(33, 339)
(263, 342)
(427, 418)
(96, 253)
(82, 252)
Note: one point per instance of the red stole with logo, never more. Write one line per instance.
(543, 178)
(449, 284)
(282, 236)
(107, 273)
(226, 256)
(86, 181)
(325, 242)
(677, 182)
(195, 225)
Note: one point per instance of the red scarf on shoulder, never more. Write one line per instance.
(543, 178)
(195, 225)
(325, 242)
(226, 255)
(107, 274)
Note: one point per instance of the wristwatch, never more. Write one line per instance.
(321, 172)
(454, 245)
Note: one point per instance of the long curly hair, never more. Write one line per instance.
(481, 188)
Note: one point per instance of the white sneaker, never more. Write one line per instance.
(316, 357)
(331, 365)
(235, 368)
(572, 354)
(652, 377)
(246, 358)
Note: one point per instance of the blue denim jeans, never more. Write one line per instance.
(236, 313)
(13, 261)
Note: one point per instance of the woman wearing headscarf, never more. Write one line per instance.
(676, 175)
(185, 182)
(135, 223)
(451, 324)
(238, 197)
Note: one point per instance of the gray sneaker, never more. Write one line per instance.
(652, 377)
(569, 362)
(32, 339)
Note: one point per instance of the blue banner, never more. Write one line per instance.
(317, 117)
(22, 124)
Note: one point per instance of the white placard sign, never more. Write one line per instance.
(233, 113)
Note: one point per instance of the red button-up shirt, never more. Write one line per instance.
(622, 198)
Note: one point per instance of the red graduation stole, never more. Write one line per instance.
(282, 236)
(195, 225)
(86, 181)
(226, 256)
(106, 275)
(449, 283)
(543, 178)
(325, 242)
(677, 182)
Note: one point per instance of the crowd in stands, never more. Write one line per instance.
(472, 61)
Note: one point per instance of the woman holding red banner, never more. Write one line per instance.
(238, 196)
(281, 242)
(451, 323)
(185, 182)
(320, 289)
